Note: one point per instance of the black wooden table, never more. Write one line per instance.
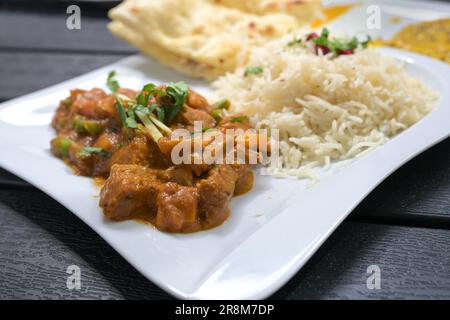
(402, 227)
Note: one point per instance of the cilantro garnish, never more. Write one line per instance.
(252, 70)
(339, 45)
(88, 151)
(294, 42)
(240, 119)
(178, 92)
(165, 104)
(112, 83)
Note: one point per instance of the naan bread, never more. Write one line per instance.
(195, 37)
(305, 11)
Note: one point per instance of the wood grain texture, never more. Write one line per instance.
(22, 73)
(39, 239)
(414, 264)
(29, 31)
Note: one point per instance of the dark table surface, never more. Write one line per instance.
(402, 226)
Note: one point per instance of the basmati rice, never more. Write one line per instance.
(326, 108)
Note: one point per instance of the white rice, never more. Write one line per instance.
(326, 109)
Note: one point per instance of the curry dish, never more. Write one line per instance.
(109, 136)
(431, 38)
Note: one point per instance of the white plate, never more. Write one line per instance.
(273, 230)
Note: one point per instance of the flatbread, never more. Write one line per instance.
(195, 37)
(179, 63)
(305, 11)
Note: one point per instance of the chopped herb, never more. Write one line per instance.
(338, 45)
(154, 117)
(240, 119)
(112, 83)
(130, 120)
(222, 104)
(131, 123)
(159, 124)
(178, 92)
(252, 70)
(141, 108)
(160, 113)
(143, 97)
(217, 114)
(366, 42)
(294, 42)
(323, 39)
(193, 133)
(88, 151)
(67, 102)
(149, 126)
(159, 110)
(122, 113)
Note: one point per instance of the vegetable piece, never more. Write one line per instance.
(240, 119)
(92, 127)
(77, 125)
(217, 114)
(219, 106)
(61, 146)
(346, 52)
(89, 151)
(222, 104)
(112, 83)
(127, 116)
(131, 123)
(252, 70)
(131, 117)
(159, 124)
(121, 110)
(322, 49)
(150, 128)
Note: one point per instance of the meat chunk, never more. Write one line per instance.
(140, 151)
(197, 101)
(136, 192)
(182, 175)
(230, 122)
(245, 182)
(177, 208)
(130, 193)
(94, 104)
(188, 116)
(215, 193)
